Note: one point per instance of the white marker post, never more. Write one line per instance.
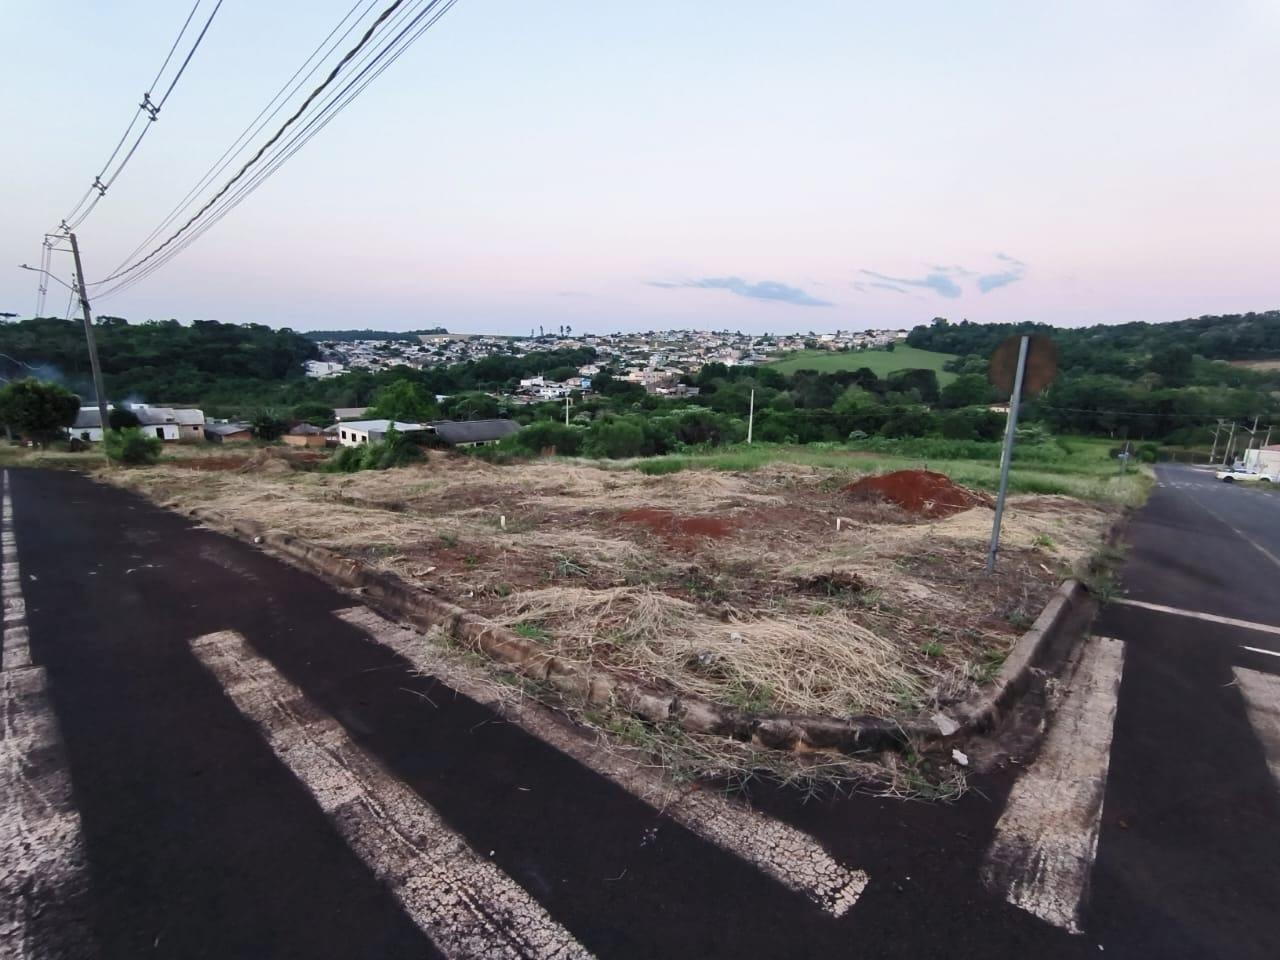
(1007, 455)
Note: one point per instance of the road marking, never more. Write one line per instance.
(791, 857)
(1196, 614)
(1262, 702)
(42, 867)
(1269, 653)
(1046, 839)
(1237, 531)
(15, 652)
(465, 904)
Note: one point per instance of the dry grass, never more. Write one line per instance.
(828, 664)
(911, 624)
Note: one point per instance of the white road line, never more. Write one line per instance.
(42, 868)
(791, 857)
(1196, 614)
(1237, 531)
(465, 904)
(15, 652)
(1261, 693)
(1269, 653)
(1046, 838)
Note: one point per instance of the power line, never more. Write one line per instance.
(371, 63)
(254, 127)
(147, 109)
(322, 116)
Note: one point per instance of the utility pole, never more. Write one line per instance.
(751, 415)
(1010, 430)
(566, 409)
(88, 335)
(1231, 439)
(1214, 452)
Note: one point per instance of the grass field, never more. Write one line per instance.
(881, 361)
(1074, 466)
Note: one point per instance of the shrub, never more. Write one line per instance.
(548, 434)
(133, 447)
(908, 423)
(632, 436)
(397, 450)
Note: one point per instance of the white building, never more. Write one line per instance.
(324, 368)
(167, 423)
(1265, 460)
(358, 432)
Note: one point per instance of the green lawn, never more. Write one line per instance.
(881, 361)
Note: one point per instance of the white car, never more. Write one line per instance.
(1244, 476)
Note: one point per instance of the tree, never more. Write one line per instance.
(41, 411)
(923, 381)
(1173, 365)
(853, 399)
(316, 414)
(968, 390)
(121, 418)
(267, 426)
(402, 400)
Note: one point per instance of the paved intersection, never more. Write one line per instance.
(208, 753)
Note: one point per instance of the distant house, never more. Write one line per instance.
(357, 432)
(323, 368)
(228, 432)
(349, 413)
(167, 423)
(87, 426)
(306, 435)
(190, 423)
(472, 433)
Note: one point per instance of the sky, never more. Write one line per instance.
(822, 165)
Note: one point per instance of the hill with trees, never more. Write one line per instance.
(157, 360)
(1155, 380)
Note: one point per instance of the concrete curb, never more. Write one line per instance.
(394, 597)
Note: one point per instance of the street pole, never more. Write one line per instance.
(566, 410)
(1007, 455)
(1214, 452)
(88, 335)
(1231, 440)
(751, 416)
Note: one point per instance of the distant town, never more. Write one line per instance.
(656, 360)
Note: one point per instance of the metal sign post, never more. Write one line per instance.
(1007, 455)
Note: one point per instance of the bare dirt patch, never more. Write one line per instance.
(921, 493)
(677, 530)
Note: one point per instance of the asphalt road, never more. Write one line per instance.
(242, 764)
(1191, 820)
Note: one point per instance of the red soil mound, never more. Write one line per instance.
(921, 492)
(673, 527)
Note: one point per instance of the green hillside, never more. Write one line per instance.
(882, 362)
